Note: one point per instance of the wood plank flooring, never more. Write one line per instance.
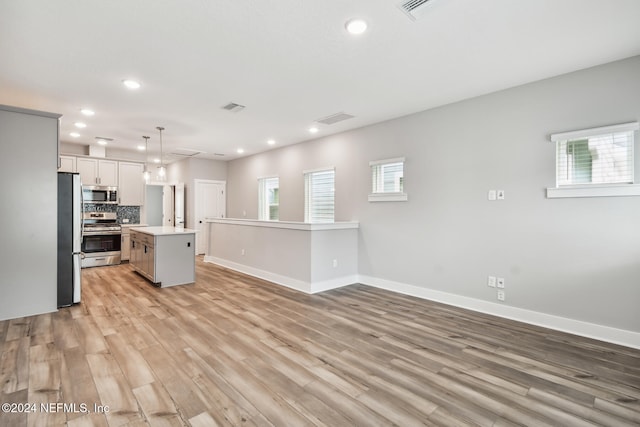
(232, 350)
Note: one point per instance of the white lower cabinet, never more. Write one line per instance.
(164, 255)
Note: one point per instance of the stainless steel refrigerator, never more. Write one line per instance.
(69, 238)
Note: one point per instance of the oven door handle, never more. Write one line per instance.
(101, 233)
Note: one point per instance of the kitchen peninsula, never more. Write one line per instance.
(164, 255)
(308, 257)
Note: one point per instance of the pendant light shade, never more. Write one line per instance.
(146, 174)
(162, 171)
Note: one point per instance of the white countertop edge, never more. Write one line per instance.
(290, 225)
(163, 231)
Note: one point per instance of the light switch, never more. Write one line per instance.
(491, 281)
(492, 195)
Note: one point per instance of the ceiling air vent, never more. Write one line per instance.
(233, 107)
(184, 152)
(335, 118)
(414, 9)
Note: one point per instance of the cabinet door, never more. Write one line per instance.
(125, 253)
(135, 257)
(131, 189)
(108, 173)
(151, 263)
(88, 170)
(67, 164)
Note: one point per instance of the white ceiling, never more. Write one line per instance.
(290, 62)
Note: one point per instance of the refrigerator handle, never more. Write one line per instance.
(81, 210)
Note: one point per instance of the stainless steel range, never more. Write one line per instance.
(101, 239)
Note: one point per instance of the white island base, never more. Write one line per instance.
(164, 255)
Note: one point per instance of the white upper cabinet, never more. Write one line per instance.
(67, 164)
(97, 172)
(131, 189)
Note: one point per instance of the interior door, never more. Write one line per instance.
(168, 217)
(179, 204)
(210, 203)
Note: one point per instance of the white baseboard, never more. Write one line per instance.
(289, 282)
(576, 327)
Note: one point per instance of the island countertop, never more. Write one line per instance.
(163, 230)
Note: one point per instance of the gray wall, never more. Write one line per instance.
(154, 204)
(187, 171)
(574, 258)
(28, 219)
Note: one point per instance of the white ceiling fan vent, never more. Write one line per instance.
(335, 118)
(414, 9)
(233, 107)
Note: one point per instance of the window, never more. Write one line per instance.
(268, 199)
(595, 158)
(319, 190)
(387, 180)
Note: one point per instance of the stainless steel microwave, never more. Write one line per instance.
(100, 194)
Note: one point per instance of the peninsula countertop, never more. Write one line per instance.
(163, 230)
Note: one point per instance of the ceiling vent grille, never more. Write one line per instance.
(414, 9)
(184, 152)
(233, 107)
(335, 118)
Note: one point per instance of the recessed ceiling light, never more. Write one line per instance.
(141, 147)
(356, 26)
(313, 129)
(102, 142)
(87, 112)
(80, 125)
(131, 84)
(74, 134)
(240, 150)
(156, 160)
(271, 141)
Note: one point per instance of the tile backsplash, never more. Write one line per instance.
(132, 213)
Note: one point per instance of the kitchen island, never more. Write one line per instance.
(164, 255)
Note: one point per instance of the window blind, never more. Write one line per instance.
(319, 196)
(595, 159)
(268, 198)
(387, 177)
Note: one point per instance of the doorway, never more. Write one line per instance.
(164, 204)
(210, 202)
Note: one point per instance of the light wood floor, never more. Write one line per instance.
(234, 350)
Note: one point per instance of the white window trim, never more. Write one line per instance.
(600, 190)
(611, 190)
(388, 197)
(584, 133)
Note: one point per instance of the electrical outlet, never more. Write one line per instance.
(491, 281)
(500, 194)
(492, 195)
(500, 282)
(501, 296)
(335, 263)
(242, 252)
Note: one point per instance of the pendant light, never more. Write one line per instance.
(146, 174)
(162, 171)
